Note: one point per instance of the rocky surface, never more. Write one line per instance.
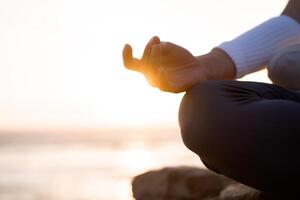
(189, 183)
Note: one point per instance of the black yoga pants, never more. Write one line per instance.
(248, 131)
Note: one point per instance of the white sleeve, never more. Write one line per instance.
(252, 50)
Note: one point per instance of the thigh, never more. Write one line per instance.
(250, 131)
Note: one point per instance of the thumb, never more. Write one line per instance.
(128, 60)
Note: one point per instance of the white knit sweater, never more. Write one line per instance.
(252, 50)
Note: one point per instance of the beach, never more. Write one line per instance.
(91, 166)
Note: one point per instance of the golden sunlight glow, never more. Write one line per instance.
(61, 65)
(137, 160)
(123, 190)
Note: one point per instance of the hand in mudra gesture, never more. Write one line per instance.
(166, 66)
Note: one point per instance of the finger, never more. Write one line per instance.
(145, 58)
(163, 81)
(129, 61)
(155, 56)
(154, 64)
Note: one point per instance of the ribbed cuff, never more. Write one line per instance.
(252, 50)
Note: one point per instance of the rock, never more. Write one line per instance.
(240, 192)
(178, 183)
(188, 183)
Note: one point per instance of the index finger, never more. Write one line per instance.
(154, 40)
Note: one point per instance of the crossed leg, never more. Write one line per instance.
(247, 131)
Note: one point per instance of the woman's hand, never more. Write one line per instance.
(170, 67)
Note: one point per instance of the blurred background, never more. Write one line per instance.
(74, 124)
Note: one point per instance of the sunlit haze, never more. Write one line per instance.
(61, 64)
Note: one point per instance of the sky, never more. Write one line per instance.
(61, 64)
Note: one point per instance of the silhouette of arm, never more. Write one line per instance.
(172, 68)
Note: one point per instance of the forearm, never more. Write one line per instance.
(252, 50)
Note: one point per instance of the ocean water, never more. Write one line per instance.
(83, 169)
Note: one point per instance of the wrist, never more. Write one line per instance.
(218, 64)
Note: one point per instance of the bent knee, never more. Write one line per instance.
(284, 68)
(196, 115)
